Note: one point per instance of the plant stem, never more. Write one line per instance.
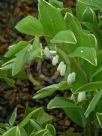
(34, 82)
(85, 126)
(89, 128)
(96, 132)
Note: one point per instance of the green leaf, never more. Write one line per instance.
(65, 10)
(96, 75)
(27, 110)
(39, 115)
(8, 62)
(93, 3)
(90, 87)
(30, 26)
(56, 3)
(51, 129)
(13, 117)
(14, 131)
(44, 92)
(88, 54)
(60, 102)
(87, 17)
(50, 18)
(62, 86)
(4, 125)
(28, 117)
(36, 50)
(36, 44)
(10, 132)
(20, 60)
(74, 25)
(22, 75)
(80, 8)
(2, 131)
(18, 133)
(99, 118)
(98, 107)
(74, 113)
(23, 132)
(34, 54)
(93, 103)
(39, 133)
(35, 124)
(49, 90)
(90, 16)
(64, 37)
(7, 66)
(5, 75)
(93, 41)
(42, 117)
(69, 108)
(12, 50)
(96, 72)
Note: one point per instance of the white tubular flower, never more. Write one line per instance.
(72, 97)
(60, 66)
(55, 60)
(47, 52)
(71, 78)
(81, 96)
(63, 70)
(52, 52)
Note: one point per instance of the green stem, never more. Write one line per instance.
(96, 131)
(34, 82)
(86, 122)
(89, 128)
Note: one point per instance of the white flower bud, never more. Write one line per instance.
(59, 66)
(55, 60)
(52, 52)
(71, 78)
(72, 97)
(63, 70)
(47, 52)
(81, 96)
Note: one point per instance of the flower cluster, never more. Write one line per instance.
(55, 60)
(62, 70)
(61, 65)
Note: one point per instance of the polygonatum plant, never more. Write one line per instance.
(74, 44)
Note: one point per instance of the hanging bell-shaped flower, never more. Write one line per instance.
(55, 60)
(52, 53)
(47, 52)
(71, 78)
(72, 97)
(81, 96)
(63, 70)
(60, 66)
